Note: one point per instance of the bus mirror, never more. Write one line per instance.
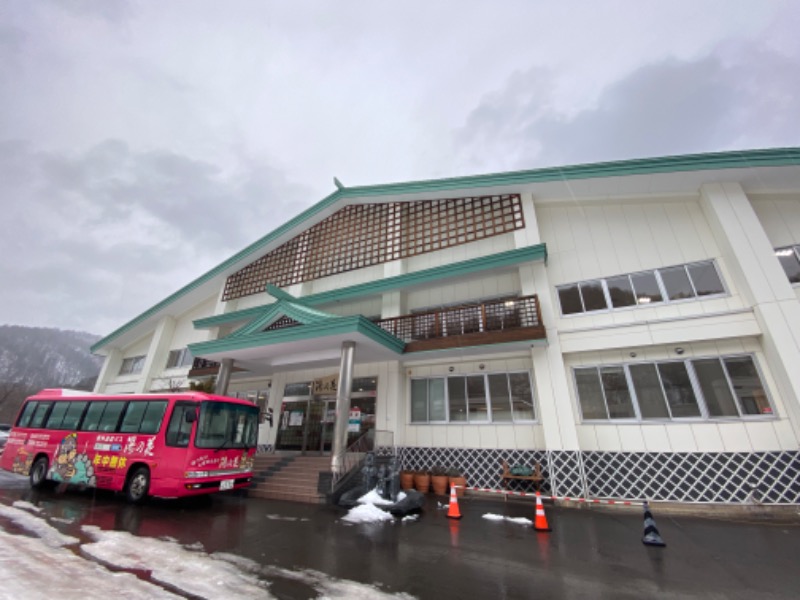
(190, 415)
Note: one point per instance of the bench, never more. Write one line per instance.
(536, 477)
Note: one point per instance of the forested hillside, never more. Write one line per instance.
(32, 358)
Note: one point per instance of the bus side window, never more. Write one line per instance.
(39, 416)
(151, 422)
(178, 430)
(110, 419)
(27, 413)
(92, 419)
(57, 415)
(73, 416)
(133, 416)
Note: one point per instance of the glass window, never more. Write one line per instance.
(436, 400)
(297, 389)
(590, 394)
(747, 386)
(111, 415)
(618, 398)
(457, 395)
(222, 425)
(705, 278)
(678, 389)
(621, 291)
(676, 283)
(570, 299)
(39, 415)
(73, 416)
(649, 394)
(476, 398)
(92, 419)
(646, 288)
(26, 414)
(790, 263)
(132, 365)
(179, 430)
(57, 415)
(593, 296)
(714, 385)
(419, 400)
(179, 358)
(521, 396)
(151, 422)
(500, 398)
(133, 417)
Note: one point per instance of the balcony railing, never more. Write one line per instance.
(202, 366)
(485, 323)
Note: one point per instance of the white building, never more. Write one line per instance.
(632, 326)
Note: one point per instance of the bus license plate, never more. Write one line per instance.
(226, 484)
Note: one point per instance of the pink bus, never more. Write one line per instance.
(166, 445)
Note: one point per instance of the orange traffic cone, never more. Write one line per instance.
(540, 524)
(452, 511)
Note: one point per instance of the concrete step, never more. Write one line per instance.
(292, 478)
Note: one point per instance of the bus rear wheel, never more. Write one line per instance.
(138, 485)
(38, 473)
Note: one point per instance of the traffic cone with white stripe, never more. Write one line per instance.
(651, 535)
(540, 523)
(452, 511)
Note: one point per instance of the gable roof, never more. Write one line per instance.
(208, 284)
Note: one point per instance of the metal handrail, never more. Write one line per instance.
(355, 452)
(351, 457)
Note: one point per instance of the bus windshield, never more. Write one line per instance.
(223, 425)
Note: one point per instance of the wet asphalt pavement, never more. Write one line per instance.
(590, 553)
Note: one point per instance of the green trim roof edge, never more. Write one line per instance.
(341, 325)
(771, 157)
(482, 263)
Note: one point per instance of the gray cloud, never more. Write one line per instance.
(110, 231)
(669, 107)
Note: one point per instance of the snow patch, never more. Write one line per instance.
(170, 564)
(516, 520)
(367, 513)
(49, 534)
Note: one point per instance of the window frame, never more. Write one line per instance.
(795, 249)
(132, 365)
(181, 355)
(696, 388)
(463, 377)
(662, 288)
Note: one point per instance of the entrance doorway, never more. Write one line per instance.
(306, 424)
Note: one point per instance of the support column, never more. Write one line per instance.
(111, 366)
(342, 407)
(224, 377)
(762, 282)
(157, 353)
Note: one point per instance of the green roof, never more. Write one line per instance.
(692, 162)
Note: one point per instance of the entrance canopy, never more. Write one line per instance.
(288, 334)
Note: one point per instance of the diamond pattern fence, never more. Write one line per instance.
(757, 477)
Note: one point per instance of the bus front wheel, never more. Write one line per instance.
(38, 474)
(138, 485)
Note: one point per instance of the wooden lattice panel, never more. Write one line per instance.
(362, 235)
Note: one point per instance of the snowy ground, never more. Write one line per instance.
(38, 561)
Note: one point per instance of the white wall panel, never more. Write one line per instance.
(631, 438)
(656, 438)
(587, 438)
(762, 435)
(608, 438)
(735, 438)
(681, 438)
(708, 437)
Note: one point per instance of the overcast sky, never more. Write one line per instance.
(142, 142)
